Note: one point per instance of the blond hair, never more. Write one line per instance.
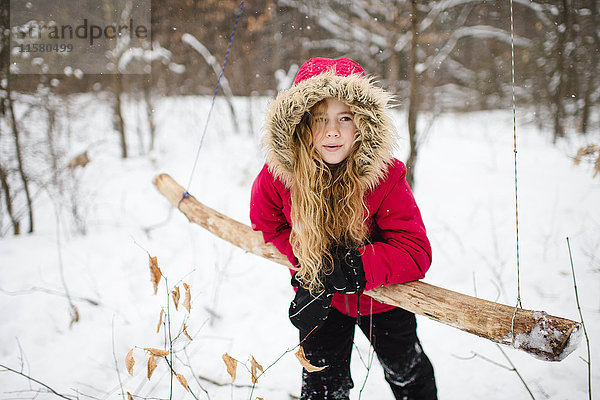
(327, 204)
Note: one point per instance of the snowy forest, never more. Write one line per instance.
(489, 96)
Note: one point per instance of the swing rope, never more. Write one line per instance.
(212, 104)
(514, 120)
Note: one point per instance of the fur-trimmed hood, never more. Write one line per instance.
(368, 103)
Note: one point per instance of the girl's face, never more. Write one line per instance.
(333, 130)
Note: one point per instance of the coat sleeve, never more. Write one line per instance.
(267, 216)
(403, 253)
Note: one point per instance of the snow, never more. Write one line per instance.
(465, 190)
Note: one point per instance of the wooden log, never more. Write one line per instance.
(544, 336)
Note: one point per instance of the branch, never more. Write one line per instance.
(36, 381)
(537, 333)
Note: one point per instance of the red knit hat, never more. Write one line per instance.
(318, 65)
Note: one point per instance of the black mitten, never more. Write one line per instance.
(308, 311)
(348, 275)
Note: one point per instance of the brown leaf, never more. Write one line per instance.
(231, 364)
(183, 382)
(254, 366)
(188, 297)
(129, 396)
(185, 332)
(151, 366)
(162, 311)
(157, 352)
(176, 296)
(80, 160)
(129, 362)
(155, 273)
(305, 363)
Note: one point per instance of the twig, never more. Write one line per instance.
(115, 357)
(279, 358)
(189, 365)
(587, 339)
(36, 381)
(174, 373)
(48, 291)
(74, 310)
(516, 370)
(371, 352)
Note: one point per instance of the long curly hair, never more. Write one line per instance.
(327, 204)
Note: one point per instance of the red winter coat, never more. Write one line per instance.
(399, 251)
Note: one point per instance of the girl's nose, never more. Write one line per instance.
(331, 129)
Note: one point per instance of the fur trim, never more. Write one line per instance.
(369, 105)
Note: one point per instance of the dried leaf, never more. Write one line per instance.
(129, 362)
(157, 352)
(305, 363)
(155, 273)
(185, 332)
(162, 311)
(254, 366)
(129, 396)
(176, 296)
(151, 366)
(183, 381)
(80, 160)
(188, 297)
(231, 364)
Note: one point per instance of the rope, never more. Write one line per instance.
(514, 117)
(212, 104)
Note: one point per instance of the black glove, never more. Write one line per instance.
(348, 275)
(308, 311)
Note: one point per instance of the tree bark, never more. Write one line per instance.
(413, 107)
(120, 122)
(539, 334)
(559, 92)
(19, 154)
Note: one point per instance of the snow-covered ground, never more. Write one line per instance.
(465, 189)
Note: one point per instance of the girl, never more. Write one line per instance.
(333, 200)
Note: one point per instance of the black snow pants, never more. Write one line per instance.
(394, 339)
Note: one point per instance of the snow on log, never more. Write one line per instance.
(544, 336)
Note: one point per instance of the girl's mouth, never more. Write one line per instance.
(331, 147)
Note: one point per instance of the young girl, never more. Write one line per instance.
(332, 198)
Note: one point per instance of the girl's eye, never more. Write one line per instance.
(346, 119)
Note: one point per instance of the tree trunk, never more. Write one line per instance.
(590, 85)
(6, 189)
(559, 92)
(19, 154)
(149, 111)
(413, 107)
(539, 334)
(118, 110)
